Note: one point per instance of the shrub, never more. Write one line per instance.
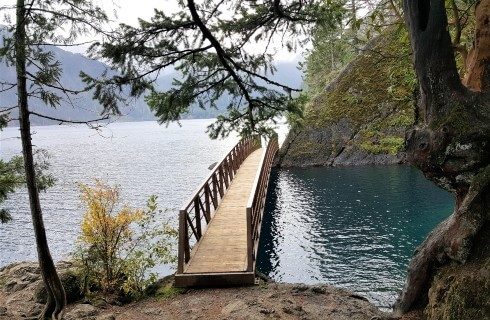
(119, 246)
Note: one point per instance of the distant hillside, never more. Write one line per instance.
(85, 108)
(361, 116)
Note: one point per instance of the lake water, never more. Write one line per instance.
(352, 227)
(143, 158)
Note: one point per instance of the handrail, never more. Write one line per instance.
(256, 201)
(206, 198)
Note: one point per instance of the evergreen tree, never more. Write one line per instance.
(38, 26)
(12, 177)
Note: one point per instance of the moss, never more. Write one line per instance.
(404, 118)
(168, 291)
(460, 293)
(458, 118)
(305, 149)
(385, 145)
(481, 180)
(374, 93)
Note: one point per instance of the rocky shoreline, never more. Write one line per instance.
(21, 297)
(331, 145)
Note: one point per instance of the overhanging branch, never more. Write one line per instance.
(61, 121)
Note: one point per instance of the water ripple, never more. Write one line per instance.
(351, 227)
(142, 158)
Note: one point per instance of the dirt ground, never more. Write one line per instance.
(20, 299)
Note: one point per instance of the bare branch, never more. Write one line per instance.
(9, 86)
(61, 121)
(4, 110)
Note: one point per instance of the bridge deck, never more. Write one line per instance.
(219, 228)
(223, 247)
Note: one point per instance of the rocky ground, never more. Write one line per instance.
(21, 297)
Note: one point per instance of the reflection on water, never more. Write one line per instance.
(354, 227)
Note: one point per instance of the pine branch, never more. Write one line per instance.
(221, 56)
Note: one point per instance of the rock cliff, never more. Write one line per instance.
(361, 117)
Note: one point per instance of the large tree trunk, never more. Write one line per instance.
(56, 300)
(478, 76)
(451, 145)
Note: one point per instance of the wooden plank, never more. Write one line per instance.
(215, 279)
(182, 240)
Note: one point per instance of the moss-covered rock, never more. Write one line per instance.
(460, 293)
(71, 283)
(21, 283)
(362, 116)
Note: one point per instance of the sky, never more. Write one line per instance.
(128, 12)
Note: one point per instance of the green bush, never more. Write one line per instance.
(118, 248)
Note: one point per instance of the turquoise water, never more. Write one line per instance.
(353, 227)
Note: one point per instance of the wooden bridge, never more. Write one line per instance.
(219, 227)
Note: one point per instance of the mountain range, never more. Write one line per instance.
(83, 108)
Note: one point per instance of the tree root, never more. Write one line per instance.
(451, 241)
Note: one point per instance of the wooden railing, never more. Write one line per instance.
(256, 202)
(196, 214)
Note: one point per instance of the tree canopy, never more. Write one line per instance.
(219, 48)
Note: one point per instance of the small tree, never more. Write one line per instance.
(120, 245)
(38, 26)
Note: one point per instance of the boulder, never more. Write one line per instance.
(71, 283)
(81, 311)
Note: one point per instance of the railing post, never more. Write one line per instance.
(231, 172)
(207, 196)
(215, 192)
(198, 218)
(250, 242)
(235, 161)
(240, 155)
(226, 172)
(221, 191)
(182, 239)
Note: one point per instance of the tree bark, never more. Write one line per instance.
(478, 76)
(56, 300)
(450, 144)
(355, 40)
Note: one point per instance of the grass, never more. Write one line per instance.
(168, 291)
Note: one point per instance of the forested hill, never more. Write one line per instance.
(360, 115)
(82, 107)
